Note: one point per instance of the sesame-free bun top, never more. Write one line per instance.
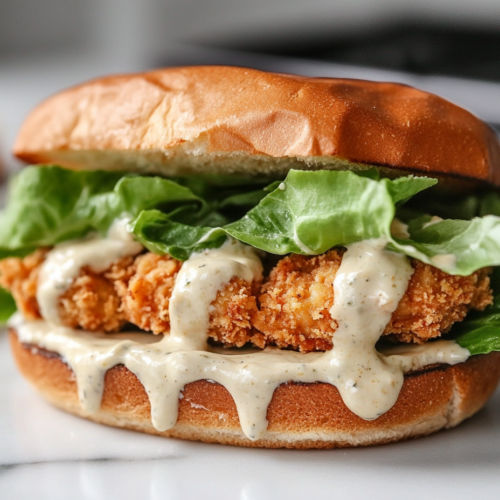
(213, 119)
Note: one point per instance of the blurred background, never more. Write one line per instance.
(447, 47)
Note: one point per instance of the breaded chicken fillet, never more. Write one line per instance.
(289, 310)
(296, 299)
(133, 290)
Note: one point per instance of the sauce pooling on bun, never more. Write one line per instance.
(242, 257)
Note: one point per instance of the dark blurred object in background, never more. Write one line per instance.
(448, 48)
(417, 48)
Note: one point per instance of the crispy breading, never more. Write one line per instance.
(230, 315)
(435, 300)
(135, 290)
(292, 310)
(20, 277)
(295, 302)
(146, 293)
(91, 303)
(145, 289)
(131, 290)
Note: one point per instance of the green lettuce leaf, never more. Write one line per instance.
(311, 212)
(480, 336)
(308, 213)
(455, 246)
(162, 235)
(230, 196)
(458, 207)
(7, 306)
(48, 205)
(489, 204)
(319, 210)
(480, 331)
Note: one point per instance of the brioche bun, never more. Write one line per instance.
(239, 121)
(212, 119)
(301, 416)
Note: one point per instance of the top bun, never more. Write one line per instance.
(213, 119)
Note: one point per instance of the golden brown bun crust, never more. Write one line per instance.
(197, 119)
(300, 415)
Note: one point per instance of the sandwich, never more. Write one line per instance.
(232, 256)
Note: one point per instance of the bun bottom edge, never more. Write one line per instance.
(300, 416)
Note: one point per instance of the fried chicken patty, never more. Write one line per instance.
(289, 310)
(296, 299)
(20, 278)
(295, 302)
(136, 290)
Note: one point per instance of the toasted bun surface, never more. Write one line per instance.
(234, 120)
(300, 416)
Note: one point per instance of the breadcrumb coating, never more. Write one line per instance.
(134, 290)
(435, 300)
(91, 303)
(295, 302)
(145, 289)
(20, 278)
(289, 310)
(231, 313)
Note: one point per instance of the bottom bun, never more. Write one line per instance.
(300, 416)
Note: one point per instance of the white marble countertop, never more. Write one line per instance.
(47, 454)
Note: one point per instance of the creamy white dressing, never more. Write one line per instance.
(368, 287)
(412, 357)
(434, 220)
(64, 262)
(196, 287)
(399, 229)
(447, 260)
(250, 378)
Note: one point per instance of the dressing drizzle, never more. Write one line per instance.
(368, 287)
(64, 262)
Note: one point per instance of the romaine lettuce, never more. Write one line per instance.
(307, 213)
(480, 330)
(7, 306)
(311, 212)
(48, 205)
